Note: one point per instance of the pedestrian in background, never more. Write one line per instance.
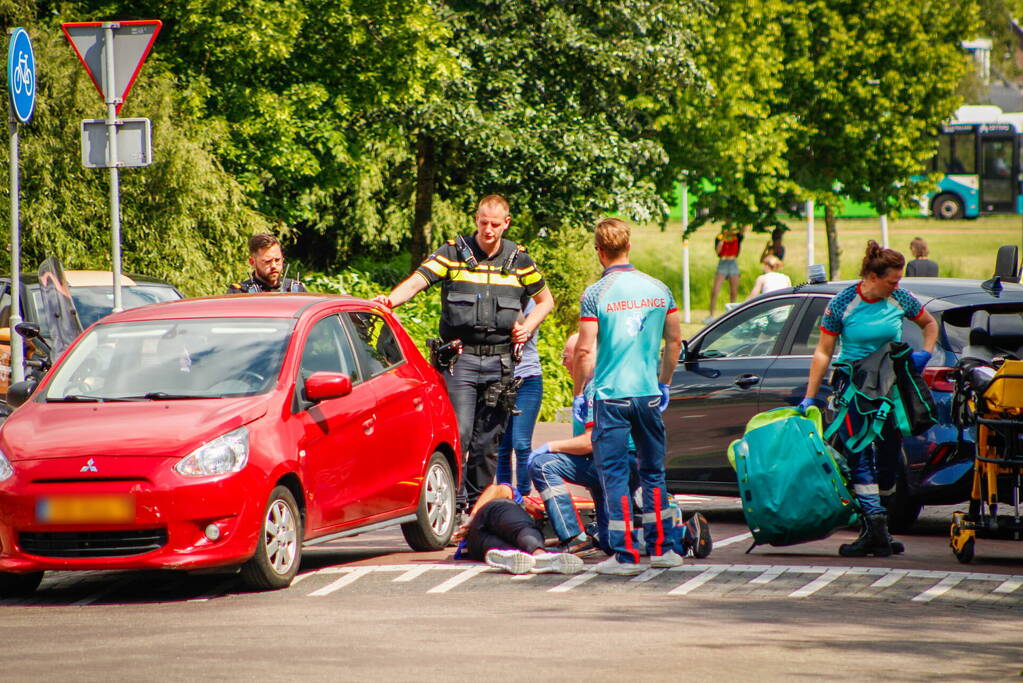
(774, 247)
(623, 318)
(920, 266)
(727, 244)
(518, 435)
(771, 279)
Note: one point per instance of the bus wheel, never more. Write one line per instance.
(947, 207)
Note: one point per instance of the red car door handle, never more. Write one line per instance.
(367, 426)
(746, 381)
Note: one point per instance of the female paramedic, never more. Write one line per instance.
(865, 317)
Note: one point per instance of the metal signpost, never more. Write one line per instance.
(114, 50)
(21, 87)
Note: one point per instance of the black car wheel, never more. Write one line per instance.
(279, 548)
(435, 520)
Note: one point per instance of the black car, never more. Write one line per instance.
(757, 357)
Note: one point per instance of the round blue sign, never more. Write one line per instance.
(21, 75)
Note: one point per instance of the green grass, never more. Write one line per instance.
(961, 248)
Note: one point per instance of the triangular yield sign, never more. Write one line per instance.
(132, 42)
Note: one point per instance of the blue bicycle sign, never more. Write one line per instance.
(21, 75)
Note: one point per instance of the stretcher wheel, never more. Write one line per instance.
(965, 554)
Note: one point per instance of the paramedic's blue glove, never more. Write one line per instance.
(665, 396)
(807, 402)
(542, 450)
(579, 408)
(920, 359)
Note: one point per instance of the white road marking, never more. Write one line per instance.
(458, 579)
(820, 582)
(889, 579)
(733, 539)
(577, 580)
(1008, 586)
(647, 575)
(697, 581)
(412, 574)
(523, 577)
(352, 576)
(940, 588)
(769, 575)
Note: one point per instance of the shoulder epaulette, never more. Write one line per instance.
(521, 247)
(451, 242)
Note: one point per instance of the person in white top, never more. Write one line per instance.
(771, 279)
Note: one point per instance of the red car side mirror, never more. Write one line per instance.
(320, 386)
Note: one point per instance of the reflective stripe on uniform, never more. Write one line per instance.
(616, 525)
(491, 278)
(530, 279)
(865, 489)
(551, 492)
(651, 517)
(436, 267)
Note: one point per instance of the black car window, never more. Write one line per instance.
(809, 331)
(956, 322)
(752, 332)
(327, 350)
(374, 341)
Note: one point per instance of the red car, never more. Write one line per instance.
(226, 431)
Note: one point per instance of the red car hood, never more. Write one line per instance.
(145, 428)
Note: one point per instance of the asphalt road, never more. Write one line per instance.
(367, 608)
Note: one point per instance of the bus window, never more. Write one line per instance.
(957, 153)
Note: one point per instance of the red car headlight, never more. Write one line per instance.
(6, 470)
(225, 454)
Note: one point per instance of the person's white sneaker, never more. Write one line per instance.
(512, 561)
(666, 561)
(613, 567)
(557, 563)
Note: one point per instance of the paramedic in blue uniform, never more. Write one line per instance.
(484, 280)
(623, 318)
(865, 317)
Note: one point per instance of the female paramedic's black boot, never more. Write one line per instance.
(881, 546)
(861, 546)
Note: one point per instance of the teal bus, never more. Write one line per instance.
(979, 159)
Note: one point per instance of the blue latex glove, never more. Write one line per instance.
(665, 396)
(579, 408)
(920, 359)
(542, 450)
(807, 402)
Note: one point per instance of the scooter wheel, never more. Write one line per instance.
(965, 555)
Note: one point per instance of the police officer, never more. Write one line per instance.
(485, 280)
(267, 261)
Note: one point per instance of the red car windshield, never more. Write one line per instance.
(168, 359)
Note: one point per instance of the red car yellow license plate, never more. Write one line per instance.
(100, 509)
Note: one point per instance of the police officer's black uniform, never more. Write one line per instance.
(254, 285)
(481, 299)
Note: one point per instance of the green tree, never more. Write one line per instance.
(183, 218)
(870, 84)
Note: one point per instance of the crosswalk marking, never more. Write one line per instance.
(412, 574)
(939, 589)
(1008, 586)
(697, 581)
(336, 585)
(647, 575)
(577, 580)
(889, 579)
(458, 579)
(820, 582)
(769, 575)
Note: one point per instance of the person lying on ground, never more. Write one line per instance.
(503, 534)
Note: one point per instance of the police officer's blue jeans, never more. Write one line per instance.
(615, 419)
(518, 435)
(479, 426)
